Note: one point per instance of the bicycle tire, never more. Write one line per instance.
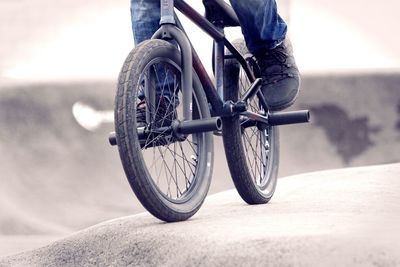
(245, 164)
(141, 176)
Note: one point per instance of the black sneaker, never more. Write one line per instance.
(165, 113)
(281, 77)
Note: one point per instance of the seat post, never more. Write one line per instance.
(167, 12)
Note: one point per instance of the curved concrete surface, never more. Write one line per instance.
(57, 177)
(51, 169)
(345, 217)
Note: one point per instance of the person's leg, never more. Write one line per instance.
(265, 35)
(145, 18)
(262, 26)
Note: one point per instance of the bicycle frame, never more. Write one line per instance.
(171, 28)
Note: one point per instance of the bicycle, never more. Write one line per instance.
(168, 160)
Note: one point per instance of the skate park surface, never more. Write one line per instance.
(345, 217)
(62, 186)
(60, 175)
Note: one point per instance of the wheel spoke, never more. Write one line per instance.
(172, 164)
(252, 139)
(177, 164)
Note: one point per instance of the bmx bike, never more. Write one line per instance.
(168, 160)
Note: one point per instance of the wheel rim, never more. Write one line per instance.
(257, 145)
(174, 166)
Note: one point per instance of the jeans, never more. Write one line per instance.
(262, 27)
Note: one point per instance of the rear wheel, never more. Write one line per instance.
(252, 152)
(169, 175)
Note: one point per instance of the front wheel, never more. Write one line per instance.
(252, 152)
(170, 176)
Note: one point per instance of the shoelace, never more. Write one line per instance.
(277, 54)
(274, 57)
(165, 112)
(141, 111)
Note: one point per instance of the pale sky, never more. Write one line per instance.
(89, 42)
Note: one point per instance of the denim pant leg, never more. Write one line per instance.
(145, 17)
(262, 27)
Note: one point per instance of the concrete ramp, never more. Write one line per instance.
(52, 169)
(345, 217)
(58, 173)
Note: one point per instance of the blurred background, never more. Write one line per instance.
(59, 63)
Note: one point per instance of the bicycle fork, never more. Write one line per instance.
(170, 30)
